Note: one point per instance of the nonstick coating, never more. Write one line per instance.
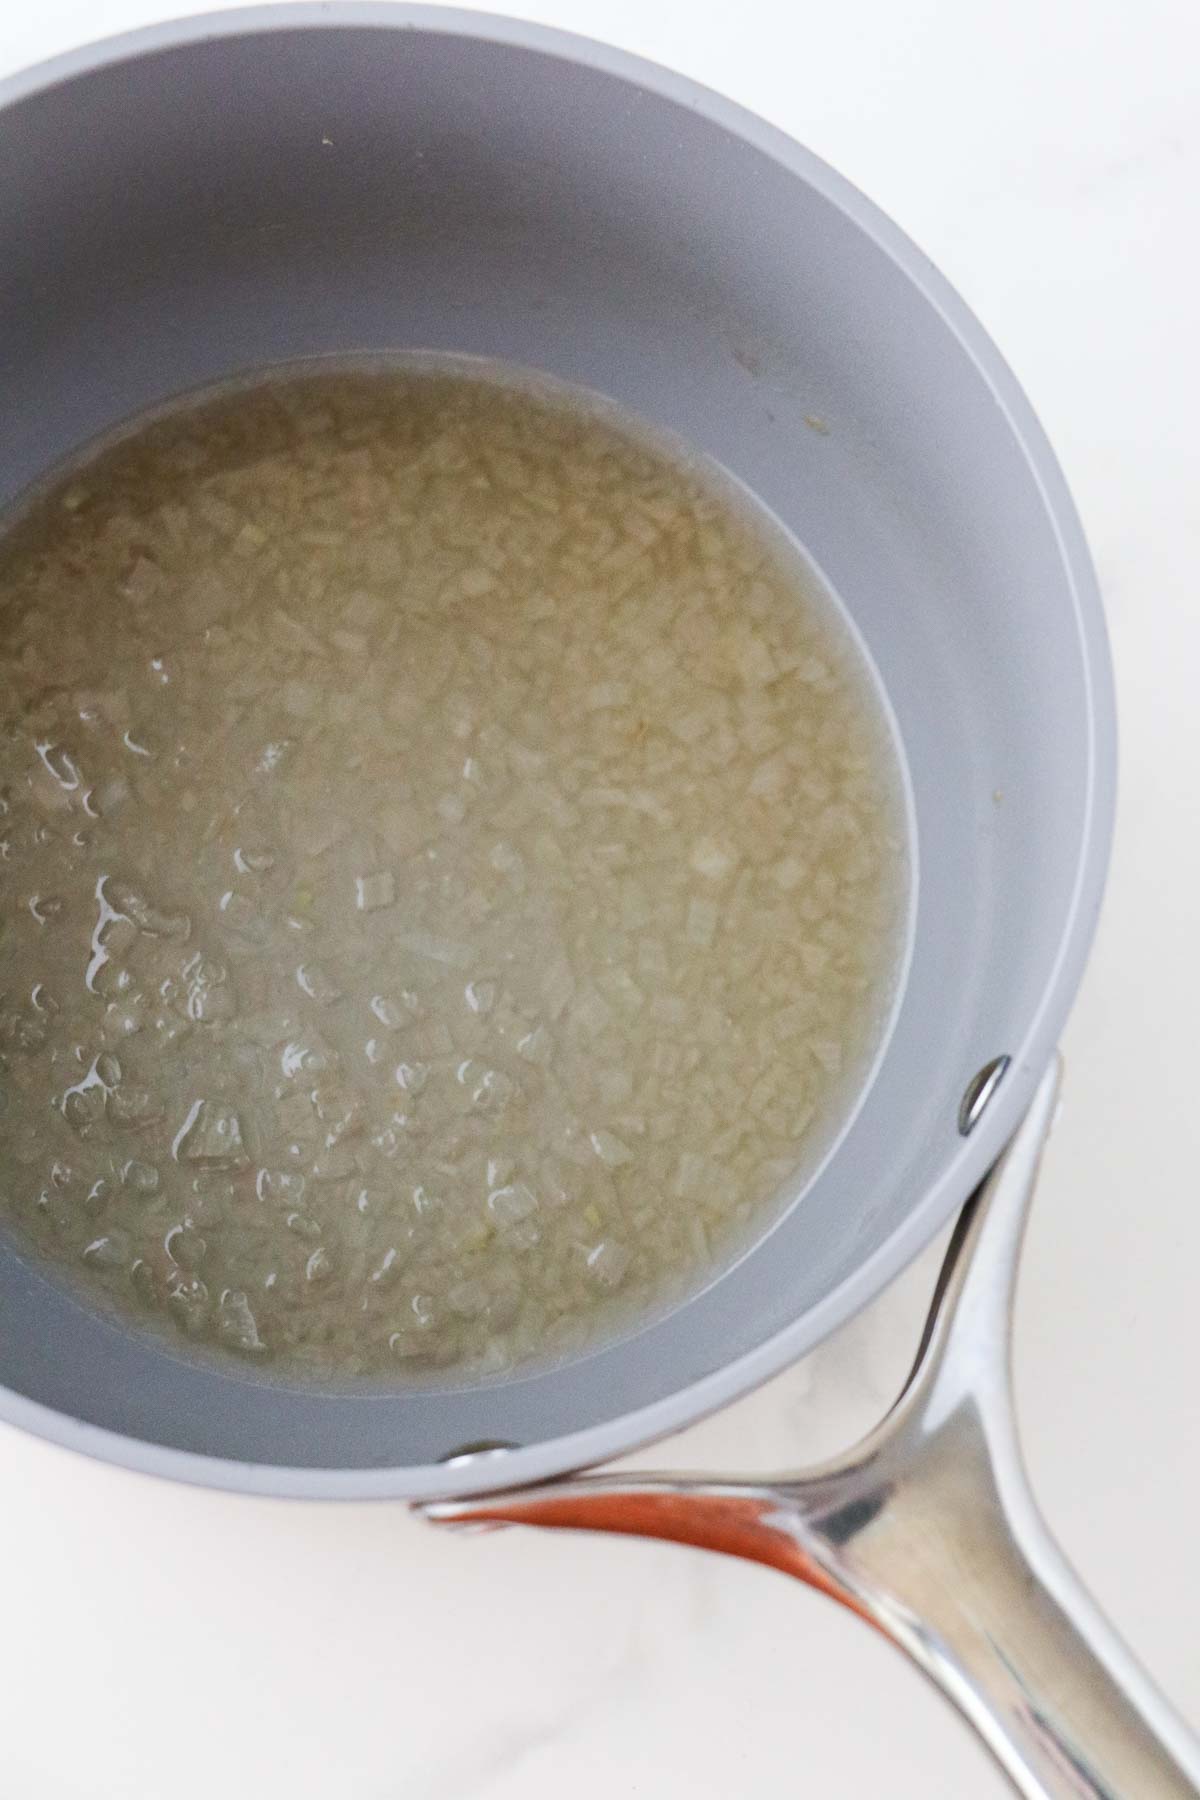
(172, 212)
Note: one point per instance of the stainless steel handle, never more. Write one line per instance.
(928, 1530)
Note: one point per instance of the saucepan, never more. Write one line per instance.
(224, 193)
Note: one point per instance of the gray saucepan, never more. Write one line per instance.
(222, 193)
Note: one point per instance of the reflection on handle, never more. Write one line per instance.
(927, 1530)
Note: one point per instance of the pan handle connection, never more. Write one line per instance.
(928, 1530)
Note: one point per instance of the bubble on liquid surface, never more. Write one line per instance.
(210, 1137)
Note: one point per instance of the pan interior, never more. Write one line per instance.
(371, 190)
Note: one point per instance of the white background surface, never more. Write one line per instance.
(156, 1641)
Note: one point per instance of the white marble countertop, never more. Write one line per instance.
(159, 1641)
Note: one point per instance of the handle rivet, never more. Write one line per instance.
(979, 1092)
(477, 1452)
